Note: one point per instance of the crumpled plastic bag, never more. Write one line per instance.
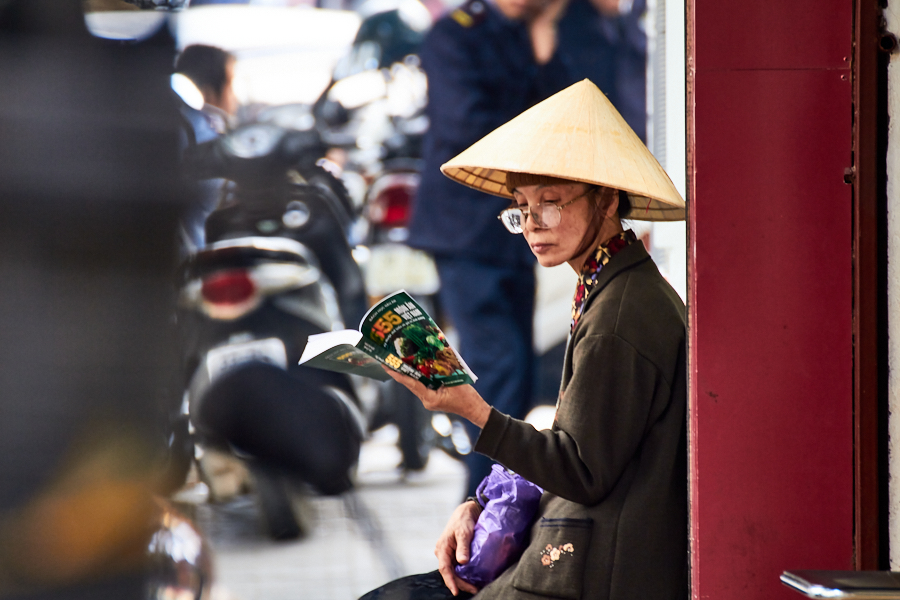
(502, 530)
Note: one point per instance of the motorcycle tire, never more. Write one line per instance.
(278, 516)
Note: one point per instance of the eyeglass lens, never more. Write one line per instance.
(545, 216)
(512, 218)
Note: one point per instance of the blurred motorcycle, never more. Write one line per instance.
(373, 112)
(277, 268)
(180, 563)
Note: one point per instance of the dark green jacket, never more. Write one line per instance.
(614, 466)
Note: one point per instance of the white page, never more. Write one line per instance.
(319, 343)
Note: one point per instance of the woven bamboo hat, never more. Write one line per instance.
(575, 134)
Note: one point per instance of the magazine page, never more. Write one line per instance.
(413, 343)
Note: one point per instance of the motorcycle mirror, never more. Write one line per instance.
(187, 90)
(128, 20)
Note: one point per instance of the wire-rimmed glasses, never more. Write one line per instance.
(545, 215)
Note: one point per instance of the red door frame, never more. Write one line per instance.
(782, 345)
(869, 308)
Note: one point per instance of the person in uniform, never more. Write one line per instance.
(486, 62)
(612, 519)
(605, 41)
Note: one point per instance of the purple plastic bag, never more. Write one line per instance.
(502, 529)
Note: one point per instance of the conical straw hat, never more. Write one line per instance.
(574, 134)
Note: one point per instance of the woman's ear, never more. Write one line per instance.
(609, 201)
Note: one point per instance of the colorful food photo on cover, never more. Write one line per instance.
(425, 348)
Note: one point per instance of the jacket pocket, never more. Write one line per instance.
(553, 563)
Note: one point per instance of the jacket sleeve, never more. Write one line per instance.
(602, 418)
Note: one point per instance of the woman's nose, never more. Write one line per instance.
(529, 223)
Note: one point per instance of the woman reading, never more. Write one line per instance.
(612, 521)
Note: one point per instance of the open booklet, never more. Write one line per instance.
(396, 332)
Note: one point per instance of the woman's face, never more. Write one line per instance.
(566, 241)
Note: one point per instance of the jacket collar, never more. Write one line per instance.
(624, 260)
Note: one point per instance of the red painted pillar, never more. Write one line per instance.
(769, 106)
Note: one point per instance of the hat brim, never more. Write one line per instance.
(493, 181)
(576, 135)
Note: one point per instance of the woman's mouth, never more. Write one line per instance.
(540, 248)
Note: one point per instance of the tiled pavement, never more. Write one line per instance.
(345, 555)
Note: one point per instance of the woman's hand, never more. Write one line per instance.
(460, 400)
(453, 546)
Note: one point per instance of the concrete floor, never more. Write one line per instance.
(386, 530)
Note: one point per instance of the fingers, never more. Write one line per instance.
(448, 574)
(414, 386)
(460, 400)
(450, 578)
(464, 586)
(429, 398)
(453, 546)
(463, 541)
(454, 583)
(444, 553)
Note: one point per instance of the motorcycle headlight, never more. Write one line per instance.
(253, 141)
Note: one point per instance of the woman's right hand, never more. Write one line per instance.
(460, 400)
(453, 546)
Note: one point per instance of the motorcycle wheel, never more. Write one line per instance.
(275, 503)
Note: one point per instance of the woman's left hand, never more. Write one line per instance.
(460, 400)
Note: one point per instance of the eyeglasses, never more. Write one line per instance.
(544, 215)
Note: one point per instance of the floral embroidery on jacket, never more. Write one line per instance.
(550, 555)
(588, 277)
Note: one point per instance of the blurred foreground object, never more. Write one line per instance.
(88, 211)
(181, 560)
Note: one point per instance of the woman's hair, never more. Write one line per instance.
(515, 180)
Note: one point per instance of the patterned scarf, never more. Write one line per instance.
(591, 269)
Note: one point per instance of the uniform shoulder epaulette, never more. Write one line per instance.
(471, 13)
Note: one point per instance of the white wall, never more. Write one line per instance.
(666, 134)
(892, 16)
